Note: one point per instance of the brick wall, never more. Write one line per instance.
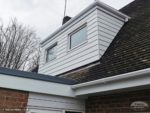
(12, 101)
(118, 103)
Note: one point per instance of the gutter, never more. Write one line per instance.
(127, 80)
(113, 10)
(113, 78)
(96, 3)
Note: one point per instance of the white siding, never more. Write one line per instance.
(54, 103)
(108, 27)
(82, 55)
(102, 27)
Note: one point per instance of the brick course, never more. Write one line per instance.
(115, 103)
(12, 100)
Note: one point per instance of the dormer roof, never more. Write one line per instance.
(129, 51)
(96, 5)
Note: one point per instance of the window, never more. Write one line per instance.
(78, 37)
(51, 53)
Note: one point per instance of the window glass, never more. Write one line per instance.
(78, 37)
(51, 53)
(72, 112)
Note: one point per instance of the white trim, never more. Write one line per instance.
(72, 33)
(37, 86)
(123, 81)
(46, 52)
(111, 9)
(113, 78)
(127, 80)
(95, 5)
(78, 46)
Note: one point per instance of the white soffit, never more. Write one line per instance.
(123, 81)
(38, 86)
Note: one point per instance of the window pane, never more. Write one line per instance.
(72, 112)
(78, 37)
(51, 53)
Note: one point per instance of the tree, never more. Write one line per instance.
(19, 47)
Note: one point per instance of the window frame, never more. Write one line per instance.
(46, 56)
(75, 31)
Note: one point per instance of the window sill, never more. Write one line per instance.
(47, 62)
(78, 46)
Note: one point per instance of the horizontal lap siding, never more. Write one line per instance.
(102, 28)
(108, 27)
(41, 101)
(74, 59)
(82, 55)
(72, 54)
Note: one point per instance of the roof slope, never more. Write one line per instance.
(30, 75)
(129, 51)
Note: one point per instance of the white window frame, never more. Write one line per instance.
(46, 55)
(73, 32)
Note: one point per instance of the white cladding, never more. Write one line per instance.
(102, 27)
(41, 103)
(108, 27)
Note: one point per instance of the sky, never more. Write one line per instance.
(45, 16)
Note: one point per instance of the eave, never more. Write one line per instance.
(35, 86)
(96, 5)
(115, 83)
(130, 80)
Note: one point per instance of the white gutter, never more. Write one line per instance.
(73, 21)
(113, 10)
(36, 86)
(127, 80)
(113, 78)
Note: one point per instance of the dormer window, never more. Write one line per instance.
(51, 53)
(78, 37)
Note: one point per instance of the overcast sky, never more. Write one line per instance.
(45, 16)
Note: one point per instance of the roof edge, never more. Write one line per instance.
(128, 81)
(35, 86)
(113, 78)
(35, 76)
(113, 10)
(96, 3)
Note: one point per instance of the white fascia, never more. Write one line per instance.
(96, 5)
(112, 10)
(36, 86)
(123, 81)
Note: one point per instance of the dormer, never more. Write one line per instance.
(82, 40)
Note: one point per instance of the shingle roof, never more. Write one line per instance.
(129, 51)
(30, 75)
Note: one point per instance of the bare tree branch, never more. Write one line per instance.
(19, 47)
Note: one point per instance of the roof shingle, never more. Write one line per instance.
(129, 51)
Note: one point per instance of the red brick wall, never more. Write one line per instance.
(11, 100)
(119, 102)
